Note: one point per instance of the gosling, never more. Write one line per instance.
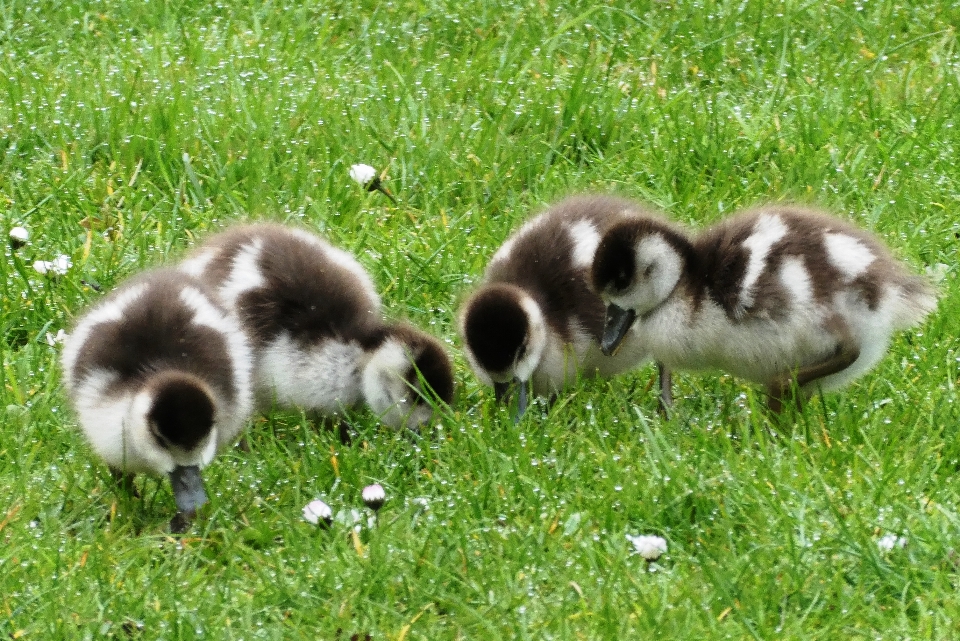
(535, 319)
(780, 295)
(314, 317)
(160, 377)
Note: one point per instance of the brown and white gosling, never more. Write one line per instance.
(778, 295)
(160, 377)
(535, 319)
(314, 318)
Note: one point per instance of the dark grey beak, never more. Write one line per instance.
(189, 494)
(618, 323)
(521, 402)
(501, 392)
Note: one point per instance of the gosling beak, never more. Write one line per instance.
(501, 392)
(618, 323)
(189, 494)
(521, 402)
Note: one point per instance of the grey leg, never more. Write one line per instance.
(181, 522)
(124, 481)
(666, 388)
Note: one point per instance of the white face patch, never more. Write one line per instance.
(796, 279)
(116, 428)
(387, 391)
(525, 366)
(848, 254)
(658, 267)
(210, 450)
(768, 230)
(245, 274)
(585, 239)
(536, 341)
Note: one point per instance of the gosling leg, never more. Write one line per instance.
(666, 388)
(124, 481)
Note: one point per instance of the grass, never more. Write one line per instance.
(128, 130)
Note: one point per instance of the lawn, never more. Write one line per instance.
(131, 130)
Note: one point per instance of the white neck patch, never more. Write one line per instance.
(585, 238)
(245, 274)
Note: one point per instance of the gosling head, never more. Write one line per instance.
(505, 335)
(406, 376)
(173, 422)
(637, 265)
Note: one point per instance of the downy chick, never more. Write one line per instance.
(777, 295)
(314, 318)
(160, 377)
(535, 319)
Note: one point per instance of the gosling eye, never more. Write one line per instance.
(648, 271)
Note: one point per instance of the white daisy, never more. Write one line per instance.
(374, 496)
(362, 174)
(649, 546)
(366, 176)
(62, 264)
(316, 511)
(889, 541)
(353, 518)
(19, 237)
(56, 267)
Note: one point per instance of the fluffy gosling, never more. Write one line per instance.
(314, 317)
(535, 318)
(778, 295)
(160, 377)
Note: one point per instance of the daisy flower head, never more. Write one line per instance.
(888, 542)
(649, 546)
(318, 513)
(374, 496)
(366, 176)
(362, 174)
(19, 237)
(56, 267)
